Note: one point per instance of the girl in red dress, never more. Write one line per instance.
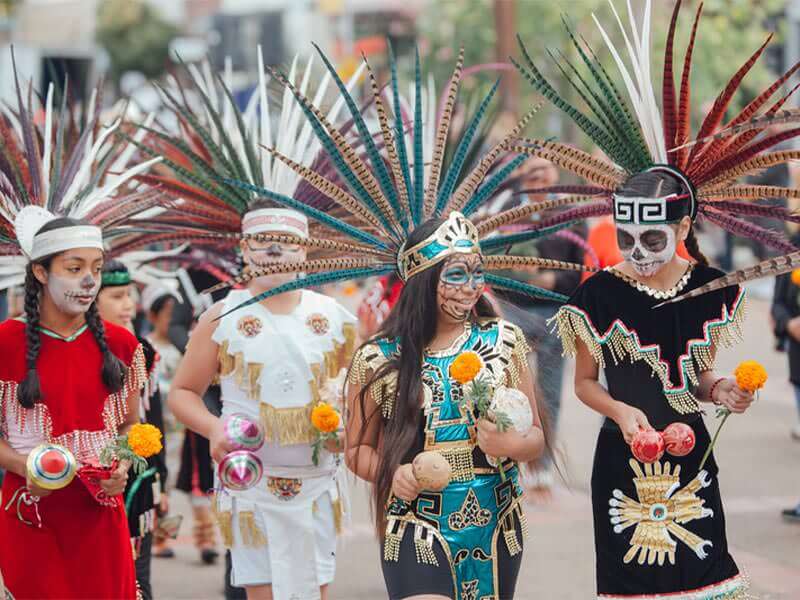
(66, 377)
(71, 379)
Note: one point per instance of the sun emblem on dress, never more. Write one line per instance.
(663, 507)
(284, 488)
(318, 323)
(249, 326)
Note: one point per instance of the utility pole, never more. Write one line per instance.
(504, 25)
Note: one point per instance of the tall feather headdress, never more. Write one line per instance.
(388, 188)
(637, 135)
(58, 166)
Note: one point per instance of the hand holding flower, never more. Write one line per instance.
(735, 397)
(732, 397)
(325, 419)
(115, 484)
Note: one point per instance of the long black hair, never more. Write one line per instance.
(412, 322)
(657, 184)
(29, 391)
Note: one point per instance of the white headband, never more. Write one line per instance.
(66, 238)
(30, 220)
(275, 220)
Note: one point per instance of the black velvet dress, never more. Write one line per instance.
(660, 527)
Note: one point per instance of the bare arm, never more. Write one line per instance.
(588, 389)
(11, 460)
(362, 435)
(725, 393)
(195, 373)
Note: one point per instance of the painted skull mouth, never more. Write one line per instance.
(79, 296)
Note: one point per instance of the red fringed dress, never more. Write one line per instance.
(82, 549)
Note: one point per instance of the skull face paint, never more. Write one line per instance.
(646, 247)
(259, 255)
(461, 284)
(73, 295)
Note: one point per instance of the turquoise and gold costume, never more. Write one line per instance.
(477, 511)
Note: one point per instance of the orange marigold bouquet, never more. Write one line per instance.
(325, 419)
(466, 369)
(750, 376)
(142, 442)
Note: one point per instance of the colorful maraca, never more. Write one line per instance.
(240, 470)
(679, 439)
(647, 446)
(51, 467)
(243, 432)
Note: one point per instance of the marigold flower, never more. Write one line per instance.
(144, 440)
(466, 367)
(325, 418)
(750, 376)
(796, 277)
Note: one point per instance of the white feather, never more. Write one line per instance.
(48, 134)
(265, 135)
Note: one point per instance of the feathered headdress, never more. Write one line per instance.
(218, 142)
(59, 167)
(638, 136)
(388, 190)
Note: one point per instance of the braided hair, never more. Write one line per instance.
(652, 184)
(29, 391)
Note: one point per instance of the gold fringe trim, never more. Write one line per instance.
(252, 536)
(462, 466)
(395, 529)
(338, 515)
(423, 547)
(572, 324)
(512, 543)
(287, 426)
(367, 360)
(246, 374)
(224, 520)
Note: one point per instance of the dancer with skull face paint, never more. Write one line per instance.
(659, 527)
(67, 377)
(275, 359)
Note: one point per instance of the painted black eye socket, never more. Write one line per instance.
(654, 240)
(625, 240)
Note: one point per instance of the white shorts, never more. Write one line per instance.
(251, 566)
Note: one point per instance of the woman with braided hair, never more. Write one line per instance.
(67, 378)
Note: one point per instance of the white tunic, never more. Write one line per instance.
(275, 368)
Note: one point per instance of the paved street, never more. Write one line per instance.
(760, 475)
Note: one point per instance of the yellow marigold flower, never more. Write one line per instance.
(750, 376)
(796, 277)
(144, 440)
(325, 418)
(466, 367)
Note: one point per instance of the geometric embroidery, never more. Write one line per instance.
(470, 513)
(659, 512)
(469, 590)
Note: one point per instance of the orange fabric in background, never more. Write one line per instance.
(603, 240)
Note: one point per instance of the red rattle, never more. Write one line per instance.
(647, 446)
(679, 439)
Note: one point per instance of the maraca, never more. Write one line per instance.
(431, 470)
(243, 431)
(647, 446)
(240, 470)
(51, 467)
(679, 439)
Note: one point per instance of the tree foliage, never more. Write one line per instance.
(135, 36)
(729, 32)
